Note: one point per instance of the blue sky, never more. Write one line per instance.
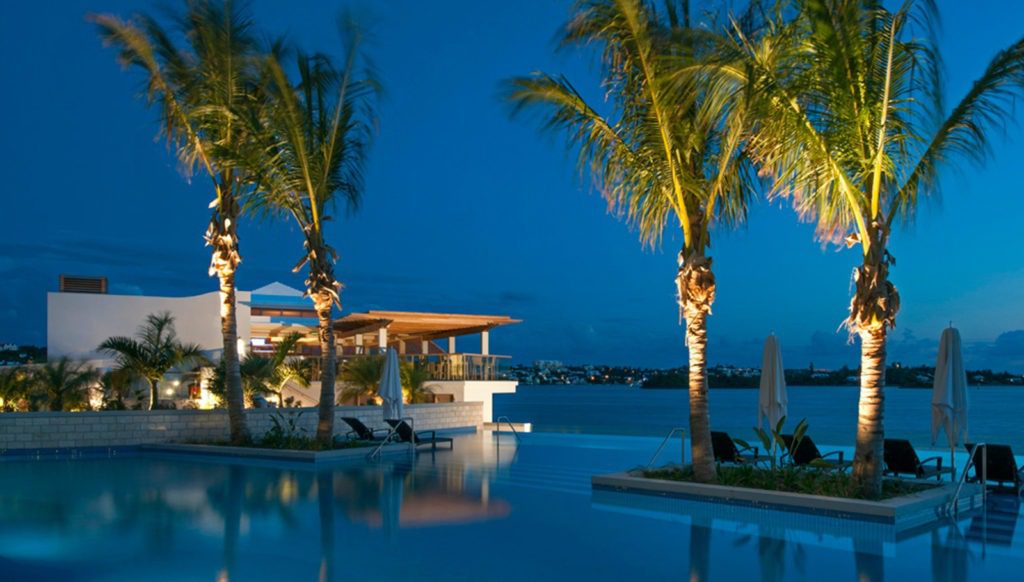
(469, 210)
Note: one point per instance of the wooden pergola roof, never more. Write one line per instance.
(412, 325)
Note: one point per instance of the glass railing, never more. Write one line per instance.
(459, 367)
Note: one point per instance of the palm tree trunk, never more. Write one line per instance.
(153, 393)
(695, 284)
(222, 236)
(328, 367)
(872, 312)
(57, 403)
(867, 460)
(232, 369)
(701, 454)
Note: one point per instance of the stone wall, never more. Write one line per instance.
(53, 430)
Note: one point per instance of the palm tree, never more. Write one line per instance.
(852, 130)
(316, 134)
(64, 384)
(154, 351)
(15, 385)
(361, 377)
(199, 88)
(270, 374)
(671, 154)
(414, 379)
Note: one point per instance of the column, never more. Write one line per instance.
(424, 347)
(485, 342)
(451, 345)
(359, 343)
(382, 338)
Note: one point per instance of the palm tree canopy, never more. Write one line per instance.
(852, 124)
(199, 86)
(66, 381)
(315, 135)
(674, 145)
(155, 350)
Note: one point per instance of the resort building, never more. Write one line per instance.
(81, 315)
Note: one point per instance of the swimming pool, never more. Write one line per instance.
(492, 509)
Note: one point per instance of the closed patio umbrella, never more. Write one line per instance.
(391, 387)
(772, 402)
(949, 394)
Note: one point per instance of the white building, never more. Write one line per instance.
(82, 315)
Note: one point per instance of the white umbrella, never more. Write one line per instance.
(949, 394)
(391, 387)
(772, 402)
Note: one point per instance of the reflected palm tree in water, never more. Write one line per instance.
(868, 560)
(325, 505)
(700, 552)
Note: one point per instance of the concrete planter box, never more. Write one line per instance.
(905, 512)
(314, 457)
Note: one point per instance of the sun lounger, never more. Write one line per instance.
(727, 451)
(423, 437)
(1001, 465)
(807, 453)
(901, 459)
(362, 432)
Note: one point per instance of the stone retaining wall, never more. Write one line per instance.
(52, 430)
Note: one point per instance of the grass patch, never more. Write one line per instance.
(810, 481)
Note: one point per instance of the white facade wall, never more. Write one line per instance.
(76, 323)
(474, 391)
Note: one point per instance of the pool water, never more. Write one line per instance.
(492, 509)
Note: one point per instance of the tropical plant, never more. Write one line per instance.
(15, 386)
(154, 351)
(361, 376)
(199, 88)
(115, 386)
(852, 128)
(414, 379)
(773, 443)
(64, 384)
(671, 153)
(315, 134)
(269, 374)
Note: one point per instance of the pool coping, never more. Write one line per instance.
(904, 512)
(314, 457)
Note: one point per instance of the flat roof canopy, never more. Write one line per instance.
(412, 325)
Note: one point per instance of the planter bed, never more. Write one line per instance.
(903, 512)
(315, 457)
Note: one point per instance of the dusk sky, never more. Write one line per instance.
(467, 210)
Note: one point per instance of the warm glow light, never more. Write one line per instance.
(169, 392)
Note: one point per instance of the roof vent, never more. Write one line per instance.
(72, 284)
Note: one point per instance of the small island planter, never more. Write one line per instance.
(314, 457)
(903, 512)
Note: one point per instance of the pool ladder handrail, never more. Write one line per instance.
(508, 421)
(953, 507)
(392, 431)
(668, 437)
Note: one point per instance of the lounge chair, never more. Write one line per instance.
(1000, 464)
(362, 432)
(727, 451)
(901, 458)
(807, 453)
(423, 437)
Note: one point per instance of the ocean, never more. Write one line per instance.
(996, 413)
